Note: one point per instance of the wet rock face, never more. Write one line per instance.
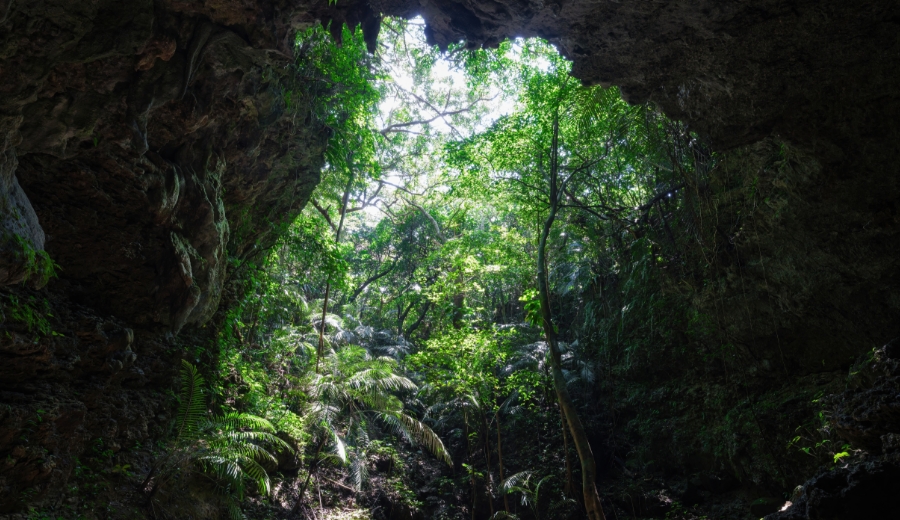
(89, 382)
(860, 491)
(869, 417)
(131, 128)
(143, 145)
(143, 137)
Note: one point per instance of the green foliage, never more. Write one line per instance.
(192, 404)
(532, 307)
(431, 326)
(228, 447)
(342, 78)
(528, 487)
(355, 388)
(38, 266)
(841, 455)
(31, 311)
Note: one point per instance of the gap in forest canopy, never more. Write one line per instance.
(423, 100)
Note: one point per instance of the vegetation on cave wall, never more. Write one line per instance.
(394, 324)
(422, 238)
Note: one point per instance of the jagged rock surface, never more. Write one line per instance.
(869, 417)
(153, 146)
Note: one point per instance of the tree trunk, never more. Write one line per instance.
(576, 428)
(312, 467)
(562, 421)
(337, 238)
(418, 321)
(500, 461)
(459, 304)
(471, 472)
(487, 457)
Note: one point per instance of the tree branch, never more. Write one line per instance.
(370, 280)
(659, 197)
(434, 222)
(420, 319)
(324, 213)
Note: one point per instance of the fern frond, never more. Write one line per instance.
(516, 481)
(258, 474)
(235, 420)
(225, 468)
(234, 510)
(340, 449)
(509, 404)
(422, 435)
(248, 437)
(382, 402)
(192, 408)
(359, 471)
(233, 445)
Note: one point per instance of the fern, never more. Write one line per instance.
(531, 492)
(228, 447)
(419, 433)
(192, 406)
(353, 387)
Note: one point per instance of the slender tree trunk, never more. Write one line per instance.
(562, 422)
(312, 466)
(402, 314)
(588, 466)
(487, 457)
(320, 349)
(471, 473)
(337, 238)
(459, 303)
(370, 280)
(418, 321)
(500, 462)
(474, 494)
(319, 490)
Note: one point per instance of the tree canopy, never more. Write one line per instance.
(446, 286)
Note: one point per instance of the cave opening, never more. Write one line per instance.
(365, 259)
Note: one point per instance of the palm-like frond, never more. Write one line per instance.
(510, 404)
(235, 421)
(364, 332)
(234, 511)
(340, 448)
(305, 350)
(518, 480)
(381, 401)
(419, 433)
(359, 470)
(192, 408)
(344, 337)
(354, 386)
(379, 379)
(229, 447)
(521, 483)
(331, 320)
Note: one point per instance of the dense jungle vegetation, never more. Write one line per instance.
(494, 249)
